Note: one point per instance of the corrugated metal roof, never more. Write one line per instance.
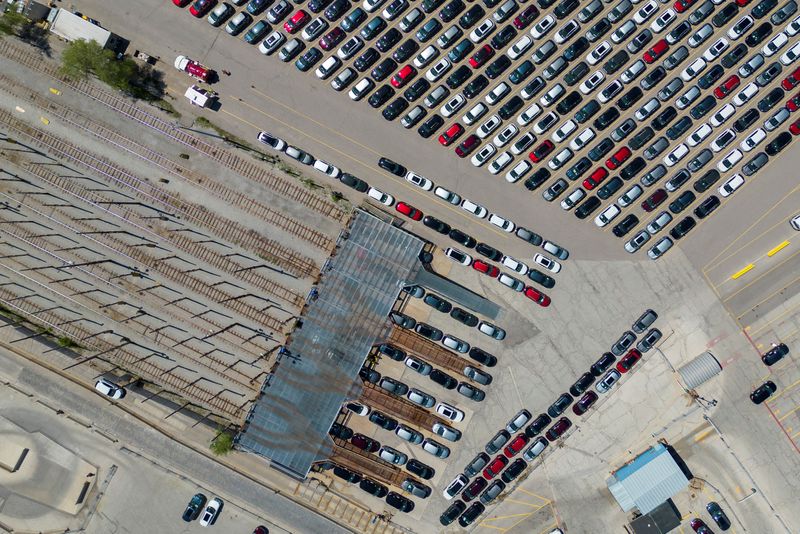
(72, 27)
(648, 481)
(700, 370)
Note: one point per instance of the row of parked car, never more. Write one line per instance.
(770, 358)
(529, 442)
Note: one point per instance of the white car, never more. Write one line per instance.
(515, 265)
(564, 131)
(722, 114)
(520, 169)
(734, 182)
(753, 140)
(326, 168)
(582, 139)
(632, 72)
(489, 125)
(492, 331)
(664, 19)
(591, 83)
(696, 67)
(645, 12)
(392, 455)
(716, 49)
(775, 44)
(506, 134)
(453, 105)
(510, 281)
(497, 93)
(571, 200)
(360, 89)
(519, 47)
(476, 209)
(610, 91)
(447, 196)
(458, 256)
(566, 31)
(530, 113)
(372, 5)
(476, 112)
(745, 94)
(523, 143)
(699, 135)
(598, 53)
(623, 32)
(420, 181)
(327, 67)
(677, 154)
(723, 140)
(449, 412)
(740, 27)
(500, 162)
(438, 70)
(795, 222)
(211, 512)
(270, 140)
(541, 28)
(793, 28)
(428, 54)
(730, 160)
(483, 29)
(545, 123)
(630, 196)
(553, 94)
(560, 159)
(109, 389)
(455, 487)
(502, 223)
(607, 215)
(551, 265)
(483, 155)
(791, 55)
(384, 198)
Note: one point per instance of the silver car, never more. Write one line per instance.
(435, 448)
(660, 222)
(604, 385)
(420, 397)
(660, 248)
(393, 456)
(408, 434)
(448, 433)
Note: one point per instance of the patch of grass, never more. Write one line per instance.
(311, 184)
(226, 135)
(222, 443)
(288, 169)
(67, 343)
(165, 106)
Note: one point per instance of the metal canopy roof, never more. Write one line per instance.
(646, 482)
(289, 423)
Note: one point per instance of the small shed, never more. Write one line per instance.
(700, 370)
(72, 27)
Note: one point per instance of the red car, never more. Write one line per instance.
(537, 296)
(474, 489)
(682, 5)
(452, 133)
(403, 76)
(409, 211)
(516, 445)
(485, 268)
(364, 443)
(654, 200)
(484, 54)
(201, 7)
(657, 50)
(742, 3)
(332, 38)
(595, 179)
(629, 360)
(527, 16)
(727, 87)
(541, 151)
(698, 525)
(791, 81)
(558, 429)
(795, 127)
(494, 468)
(468, 145)
(180, 3)
(585, 402)
(298, 20)
(619, 157)
(793, 104)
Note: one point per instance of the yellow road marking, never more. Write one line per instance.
(55, 91)
(515, 501)
(790, 412)
(772, 399)
(795, 435)
(742, 272)
(501, 529)
(545, 499)
(700, 436)
(510, 516)
(778, 249)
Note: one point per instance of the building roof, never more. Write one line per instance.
(72, 27)
(648, 481)
(289, 423)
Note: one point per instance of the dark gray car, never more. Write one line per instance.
(755, 164)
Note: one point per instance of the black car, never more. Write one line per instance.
(778, 144)
(702, 108)
(462, 239)
(625, 225)
(463, 316)
(388, 39)
(562, 403)
(763, 392)
(374, 488)
(398, 501)
(563, 9)
(734, 56)
(610, 187)
(452, 513)
(679, 32)
(436, 225)
(356, 183)
(602, 364)
(725, 15)
(630, 98)
(366, 59)
(568, 103)
(498, 66)
(653, 77)
(315, 6)
(664, 118)
(578, 47)
(719, 517)
(606, 119)
(538, 425)
(471, 17)
(514, 470)
(417, 89)
(372, 28)
(428, 6)
(428, 30)
(490, 252)
(539, 177)
(461, 50)
(521, 73)
(347, 475)
(451, 10)
(369, 375)
(682, 202)
(437, 303)
(616, 62)
(763, 8)
(588, 206)
(476, 86)
(340, 431)
(775, 354)
(392, 167)
(482, 357)
(583, 165)
(195, 506)
(383, 420)
(582, 384)
(405, 51)
(542, 279)
(598, 29)
(423, 471)
(633, 168)
(602, 148)
(392, 352)
(394, 109)
(443, 379)
(641, 137)
(770, 99)
(430, 126)
(682, 228)
(759, 34)
(503, 37)
(706, 207)
(458, 77)
(472, 513)
(711, 76)
(679, 128)
(336, 9)
(746, 120)
(308, 60)
(384, 69)
(587, 111)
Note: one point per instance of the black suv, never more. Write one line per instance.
(418, 88)
(602, 148)
(706, 207)
(568, 103)
(758, 35)
(471, 17)
(606, 119)
(746, 120)
(682, 202)
(703, 107)
(625, 225)
(451, 10)
(665, 117)
(682, 228)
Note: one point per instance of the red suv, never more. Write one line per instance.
(298, 20)
(793, 104)
(332, 38)
(468, 145)
(516, 445)
(791, 81)
(558, 429)
(364, 443)
(495, 466)
(619, 157)
(629, 360)
(595, 178)
(682, 5)
(585, 402)
(484, 54)
(409, 211)
(537, 296)
(485, 268)
(474, 489)
(201, 7)
(654, 200)
(541, 151)
(727, 86)
(403, 76)
(656, 51)
(452, 133)
(527, 16)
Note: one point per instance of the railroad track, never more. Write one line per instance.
(246, 168)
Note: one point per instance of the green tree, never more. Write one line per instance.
(11, 22)
(222, 444)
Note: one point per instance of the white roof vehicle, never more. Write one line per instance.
(696, 67)
(753, 140)
(475, 209)
(420, 181)
(502, 223)
(591, 83)
(729, 160)
(607, 215)
(109, 389)
(598, 53)
(547, 263)
(582, 139)
(677, 154)
(380, 196)
(734, 182)
(483, 155)
(745, 94)
(326, 168)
